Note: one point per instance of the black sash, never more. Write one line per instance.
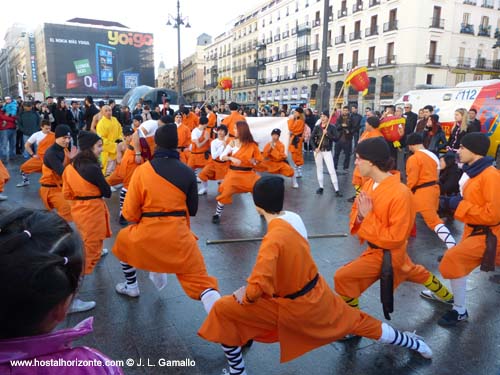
(235, 168)
(490, 252)
(219, 161)
(48, 186)
(425, 184)
(87, 198)
(386, 282)
(308, 287)
(163, 214)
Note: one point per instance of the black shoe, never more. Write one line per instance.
(247, 346)
(319, 191)
(338, 194)
(452, 317)
(216, 219)
(122, 221)
(440, 258)
(352, 199)
(349, 336)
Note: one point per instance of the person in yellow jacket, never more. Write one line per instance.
(110, 131)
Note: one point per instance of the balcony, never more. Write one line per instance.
(339, 39)
(277, 37)
(497, 33)
(496, 64)
(487, 4)
(391, 25)
(355, 35)
(213, 68)
(433, 60)
(315, 47)
(337, 68)
(464, 62)
(316, 23)
(269, 40)
(387, 60)
(470, 2)
(480, 63)
(285, 34)
(286, 54)
(303, 50)
(437, 23)
(467, 28)
(484, 31)
(303, 29)
(342, 13)
(371, 31)
(294, 30)
(372, 3)
(357, 7)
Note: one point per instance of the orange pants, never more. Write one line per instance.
(236, 182)
(214, 171)
(427, 203)
(296, 152)
(52, 198)
(355, 277)
(275, 167)
(93, 249)
(197, 160)
(4, 176)
(33, 165)
(184, 156)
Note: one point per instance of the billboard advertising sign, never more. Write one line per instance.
(97, 61)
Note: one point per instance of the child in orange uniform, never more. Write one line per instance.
(285, 299)
(216, 169)
(200, 145)
(231, 120)
(296, 127)
(184, 137)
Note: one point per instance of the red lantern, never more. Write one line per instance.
(226, 83)
(392, 128)
(358, 79)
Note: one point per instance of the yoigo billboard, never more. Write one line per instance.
(99, 61)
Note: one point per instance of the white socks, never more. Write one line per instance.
(208, 298)
(444, 235)
(458, 286)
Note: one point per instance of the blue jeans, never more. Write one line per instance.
(25, 153)
(7, 144)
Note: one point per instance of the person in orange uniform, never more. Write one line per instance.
(4, 178)
(189, 119)
(216, 169)
(162, 195)
(184, 137)
(285, 299)
(422, 177)
(200, 145)
(43, 139)
(84, 186)
(231, 120)
(383, 216)
(296, 127)
(243, 153)
(56, 158)
(275, 160)
(143, 139)
(371, 131)
(478, 206)
(126, 167)
(212, 121)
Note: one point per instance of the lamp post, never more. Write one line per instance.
(176, 22)
(324, 85)
(258, 49)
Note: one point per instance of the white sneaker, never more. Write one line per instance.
(113, 189)
(198, 180)
(104, 252)
(295, 185)
(123, 288)
(3, 197)
(202, 191)
(426, 293)
(22, 184)
(424, 349)
(79, 306)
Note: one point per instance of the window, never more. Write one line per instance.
(466, 18)
(390, 51)
(355, 56)
(342, 30)
(432, 49)
(329, 39)
(485, 21)
(340, 61)
(315, 66)
(373, 23)
(393, 13)
(371, 56)
(436, 14)
(460, 77)
(477, 77)
(428, 80)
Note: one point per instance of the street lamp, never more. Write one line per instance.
(258, 48)
(176, 22)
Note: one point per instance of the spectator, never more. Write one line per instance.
(76, 115)
(10, 106)
(473, 125)
(138, 109)
(449, 178)
(7, 137)
(344, 143)
(458, 131)
(28, 123)
(434, 137)
(89, 112)
(115, 110)
(51, 104)
(125, 117)
(356, 124)
(156, 114)
(428, 110)
(45, 113)
(411, 121)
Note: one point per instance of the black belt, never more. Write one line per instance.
(219, 161)
(386, 282)
(307, 288)
(181, 148)
(490, 252)
(197, 153)
(235, 168)
(48, 185)
(87, 198)
(425, 184)
(163, 214)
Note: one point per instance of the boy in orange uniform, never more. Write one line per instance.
(43, 139)
(275, 160)
(200, 145)
(478, 206)
(212, 121)
(55, 160)
(371, 131)
(296, 128)
(184, 137)
(189, 119)
(4, 178)
(231, 120)
(285, 299)
(383, 216)
(216, 169)
(422, 177)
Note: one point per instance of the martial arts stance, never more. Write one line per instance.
(143, 139)
(110, 131)
(323, 137)
(162, 195)
(184, 137)
(243, 153)
(296, 127)
(422, 177)
(478, 207)
(275, 160)
(286, 300)
(383, 216)
(200, 146)
(42, 139)
(216, 169)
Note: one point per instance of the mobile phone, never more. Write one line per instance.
(105, 66)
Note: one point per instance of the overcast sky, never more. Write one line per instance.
(211, 17)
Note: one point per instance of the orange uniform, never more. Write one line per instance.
(184, 135)
(212, 123)
(284, 266)
(34, 165)
(275, 160)
(480, 206)
(198, 156)
(241, 178)
(387, 226)
(90, 213)
(422, 168)
(51, 190)
(296, 128)
(4, 176)
(357, 179)
(231, 120)
(216, 169)
(123, 172)
(146, 244)
(191, 121)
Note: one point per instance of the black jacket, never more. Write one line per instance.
(448, 180)
(474, 126)
(88, 116)
(356, 122)
(345, 132)
(328, 140)
(410, 125)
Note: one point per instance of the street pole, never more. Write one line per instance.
(179, 67)
(324, 86)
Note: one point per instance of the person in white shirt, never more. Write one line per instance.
(216, 169)
(146, 132)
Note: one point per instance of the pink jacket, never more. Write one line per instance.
(55, 348)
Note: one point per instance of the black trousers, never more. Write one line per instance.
(346, 147)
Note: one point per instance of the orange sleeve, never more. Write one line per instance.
(412, 171)
(66, 186)
(132, 207)
(212, 120)
(257, 154)
(278, 152)
(266, 154)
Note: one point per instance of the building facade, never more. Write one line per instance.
(193, 72)
(218, 63)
